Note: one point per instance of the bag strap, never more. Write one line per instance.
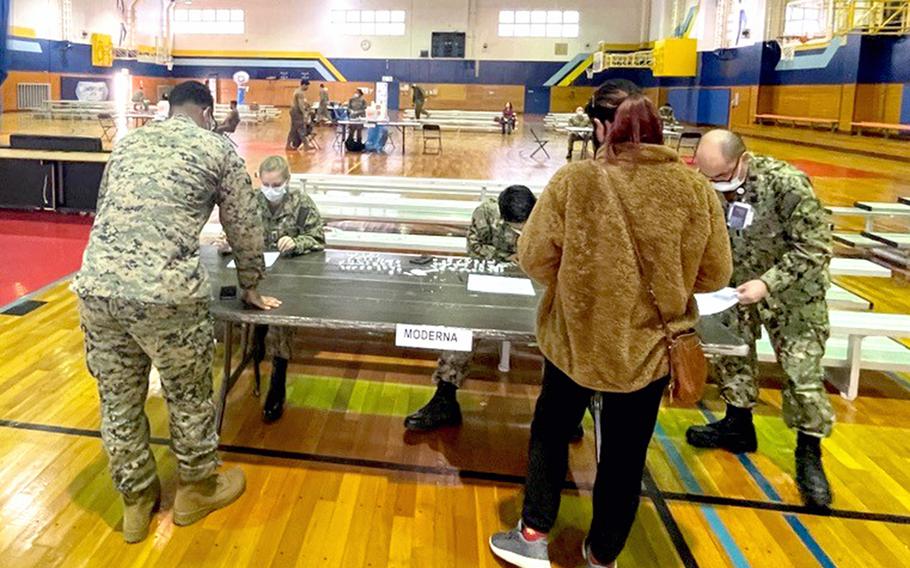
(641, 268)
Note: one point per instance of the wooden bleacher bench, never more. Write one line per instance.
(467, 120)
(857, 240)
(471, 189)
(894, 240)
(830, 123)
(883, 127)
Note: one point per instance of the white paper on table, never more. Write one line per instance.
(500, 285)
(270, 258)
(716, 302)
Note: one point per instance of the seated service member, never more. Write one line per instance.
(781, 241)
(579, 120)
(231, 121)
(493, 235)
(292, 226)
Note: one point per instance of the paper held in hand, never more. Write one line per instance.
(500, 285)
(716, 302)
(270, 258)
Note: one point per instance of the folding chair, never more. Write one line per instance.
(309, 141)
(540, 144)
(691, 139)
(432, 132)
(108, 126)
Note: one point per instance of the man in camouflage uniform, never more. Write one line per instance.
(578, 120)
(292, 226)
(781, 253)
(143, 300)
(419, 98)
(493, 235)
(301, 117)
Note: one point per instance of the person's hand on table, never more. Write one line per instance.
(286, 245)
(253, 298)
(752, 292)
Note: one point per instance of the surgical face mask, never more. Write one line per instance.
(275, 194)
(735, 183)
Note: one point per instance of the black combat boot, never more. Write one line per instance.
(810, 475)
(274, 400)
(442, 410)
(735, 433)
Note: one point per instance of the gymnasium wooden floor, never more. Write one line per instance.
(337, 482)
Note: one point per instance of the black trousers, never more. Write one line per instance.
(627, 423)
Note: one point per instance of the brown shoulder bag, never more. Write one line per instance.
(688, 366)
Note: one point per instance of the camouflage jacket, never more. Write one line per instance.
(296, 217)
(788, 245)
(579, 121)
(159, 188)
(418, 96)
(491, 238)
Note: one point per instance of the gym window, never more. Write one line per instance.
(806, 18)
(369, 22)
(538, 23)
(208, 21)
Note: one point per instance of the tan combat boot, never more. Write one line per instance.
(196, 500)
(137, 512)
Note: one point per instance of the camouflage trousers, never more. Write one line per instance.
(278, 342)
(453, 367)
(798, 335)
(122, 340)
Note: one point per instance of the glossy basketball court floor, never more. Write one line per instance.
(337, 482)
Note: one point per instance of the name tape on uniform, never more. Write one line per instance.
(434, 337)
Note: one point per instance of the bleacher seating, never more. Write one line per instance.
(248, 113)
(467, 120)
(84, 110)
(883, 127)
(890, 246)
(829, 123)
(557, 120)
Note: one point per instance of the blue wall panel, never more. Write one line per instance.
(885, 59)
(701, 106)
(905, 105)
(537, 100)
(842, 69)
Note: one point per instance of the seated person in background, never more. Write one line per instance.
(495, 227)
(578, 120)
(231, 121)
(140, 103)
(667, 117)
(508, 119)
(163, 108)
(292, 225)
(357, 109)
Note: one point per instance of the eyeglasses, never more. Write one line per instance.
(727, 176)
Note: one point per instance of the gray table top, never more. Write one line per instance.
(328, 290)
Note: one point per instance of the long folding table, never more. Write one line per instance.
(323, 291)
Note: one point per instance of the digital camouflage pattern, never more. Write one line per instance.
(491, 238)
(144, 293)
(296, 217)
(123, 338)
(788, 246)
(158, 190)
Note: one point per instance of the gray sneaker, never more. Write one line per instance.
(512, 547)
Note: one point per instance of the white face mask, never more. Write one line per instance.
(728, 186)
(275, 194)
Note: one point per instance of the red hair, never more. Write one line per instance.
(636, 122)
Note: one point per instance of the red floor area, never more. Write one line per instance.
(37, 248)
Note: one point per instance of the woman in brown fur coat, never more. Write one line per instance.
(597, 325)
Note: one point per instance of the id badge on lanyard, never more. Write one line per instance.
(740, 216)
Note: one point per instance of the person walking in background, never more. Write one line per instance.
(419, 98)
(322, 112)
(300, 116)
(599, 324)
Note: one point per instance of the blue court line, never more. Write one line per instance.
(726, 539)
(798, 527)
